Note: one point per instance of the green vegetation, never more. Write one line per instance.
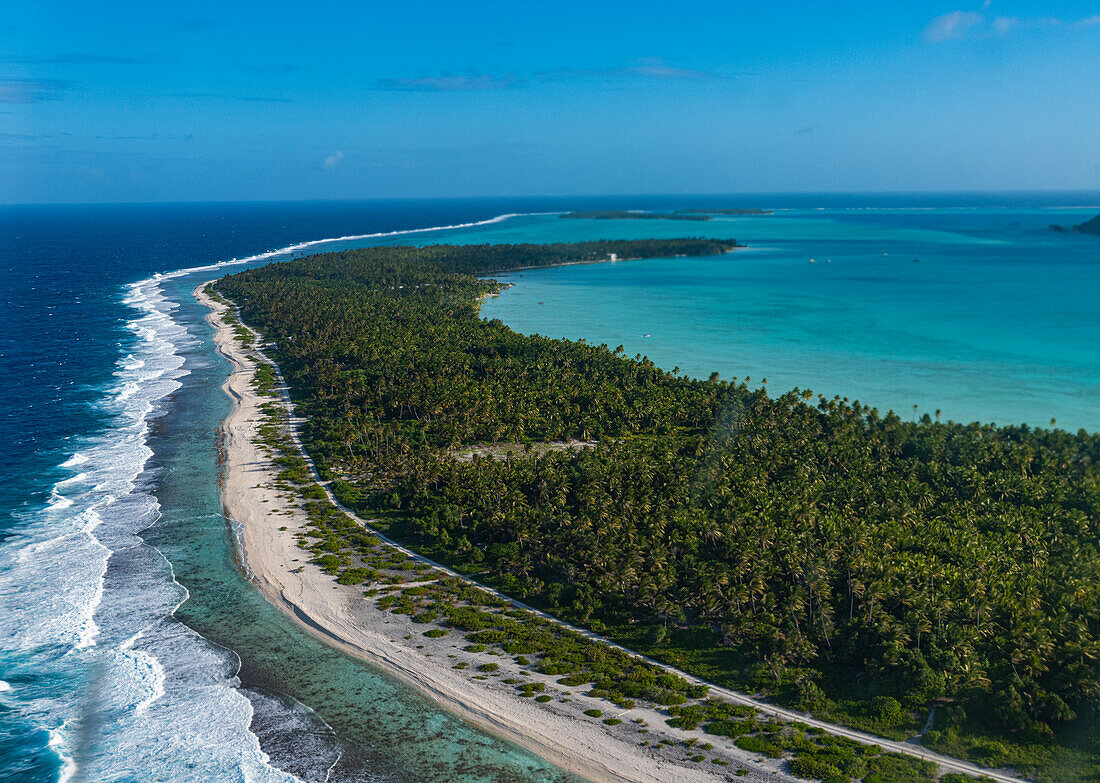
(213, 294)
(624, 215)
(843, 561)
(265, 380)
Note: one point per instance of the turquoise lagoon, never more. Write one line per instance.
(982, 314)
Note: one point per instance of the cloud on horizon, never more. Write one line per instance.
(333, 160)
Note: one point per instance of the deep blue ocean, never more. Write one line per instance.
(131, 645)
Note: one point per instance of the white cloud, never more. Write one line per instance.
(333, 160)
(1003, 25)
(954, 25)
(958, 25)
(655, 68)
(450, 82)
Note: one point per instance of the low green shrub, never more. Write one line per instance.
(759, 745)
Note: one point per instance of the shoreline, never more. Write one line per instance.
(267, 522)
(737, 247)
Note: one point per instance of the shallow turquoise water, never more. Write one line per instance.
(984, 314)
(369, 725)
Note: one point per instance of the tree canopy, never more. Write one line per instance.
(803, 535)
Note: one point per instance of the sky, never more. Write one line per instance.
(224, 101)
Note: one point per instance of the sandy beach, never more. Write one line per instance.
(269, 521)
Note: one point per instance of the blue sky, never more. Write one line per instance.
(277, 100)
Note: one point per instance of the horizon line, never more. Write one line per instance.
(684, 194)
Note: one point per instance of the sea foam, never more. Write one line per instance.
(89, 606)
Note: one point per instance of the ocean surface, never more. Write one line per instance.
(133, 647)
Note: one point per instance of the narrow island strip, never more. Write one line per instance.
(394, 623)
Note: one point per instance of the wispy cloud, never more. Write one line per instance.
(223, 97)
(647, 68)
(81, 58)
(33, 90)
(652, 69)
(450, 82)
(7, 138)
(1003, 25)
(28, 138)
(333, 160)
(959, 25)
(146, 137)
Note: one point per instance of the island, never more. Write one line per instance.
(680, 214)
(1089, 226)
(626, 215)
(677, 574)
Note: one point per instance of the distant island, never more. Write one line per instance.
(727, 211)
(624, 215)
(1089, 226)
(680, 214)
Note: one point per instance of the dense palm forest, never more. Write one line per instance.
(842, 560)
